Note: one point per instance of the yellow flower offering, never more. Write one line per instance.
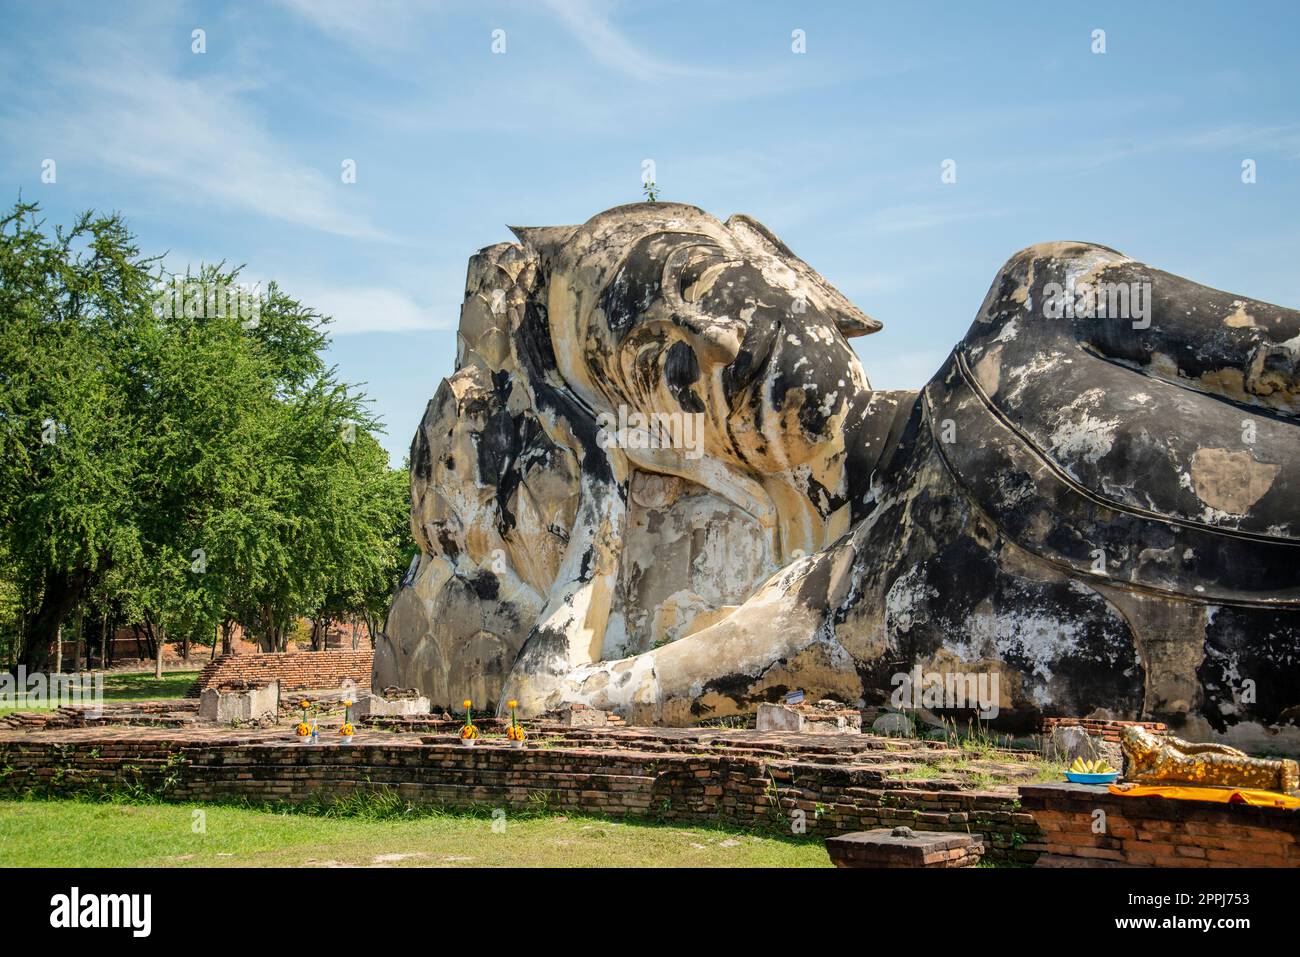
(468, 732)
(347, 730)
(514, 731)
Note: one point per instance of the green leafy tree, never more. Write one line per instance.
(173, 463)
(73, 311)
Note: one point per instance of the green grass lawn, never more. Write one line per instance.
(72, 833)
(132, 686)
(143, 686)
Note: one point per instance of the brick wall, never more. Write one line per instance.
(1106, 729)
(738, 790)
(308, 669)
(1158, 832)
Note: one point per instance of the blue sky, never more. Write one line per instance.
(236, 153)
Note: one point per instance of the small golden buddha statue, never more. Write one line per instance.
(1150, 759)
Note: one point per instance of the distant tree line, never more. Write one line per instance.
(173, 463)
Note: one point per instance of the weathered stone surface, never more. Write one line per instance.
(810, 719)
(1067, 744)
(893, 724)
(1096, 506)
(578, 716)
(243, 704)
(374, 705)
(777, 717)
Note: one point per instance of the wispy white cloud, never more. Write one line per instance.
(362, 309)
(198, 139)
(374, 28)
(591, 23)
(353, 309)
(380, 28)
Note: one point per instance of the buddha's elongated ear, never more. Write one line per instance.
(545, 241)
(849, 319)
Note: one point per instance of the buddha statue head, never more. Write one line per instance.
(660, 308)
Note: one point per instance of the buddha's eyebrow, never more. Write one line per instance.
(673, 242)
(678, 257)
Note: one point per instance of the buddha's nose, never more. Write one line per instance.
(715, 340)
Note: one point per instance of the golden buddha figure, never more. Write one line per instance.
(1150, 759)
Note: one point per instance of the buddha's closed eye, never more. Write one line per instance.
(692, 270)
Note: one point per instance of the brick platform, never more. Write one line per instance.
(294, 671)
(739, 778)
(903, 847)
(153, 714)
(1157, 832)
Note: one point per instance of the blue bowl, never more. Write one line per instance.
(1078, 778)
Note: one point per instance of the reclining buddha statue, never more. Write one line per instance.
(660, 483)
(1150, 759)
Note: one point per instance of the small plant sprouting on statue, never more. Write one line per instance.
(651, 190)
(469, 733)
(304, 728)
(515, 731)
(347, 730)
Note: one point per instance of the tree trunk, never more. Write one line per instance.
(76, 648)
(268, 630)
(103, 642)
(152, 641)
(161, 637)
(58, 648)
(59, 593)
